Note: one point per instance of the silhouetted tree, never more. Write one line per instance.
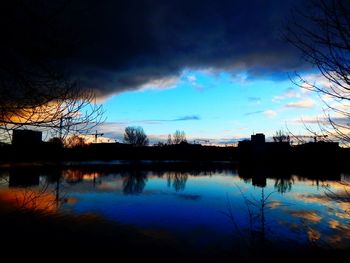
(321, 31)
(56, 141)
(74, 141)
(135, 136)
(169, 141)
(36, 91)
(179, 137)
(159, 144)
(281, 136)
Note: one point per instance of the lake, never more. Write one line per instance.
(206, 206)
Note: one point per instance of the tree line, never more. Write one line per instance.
(135, 135)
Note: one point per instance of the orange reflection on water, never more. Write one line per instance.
(28, 199)
(274, 204)
(335, 196)
(308, 215)
(90, 176)
(341, 237)
(75, 175)
(313, 235)
(334, 224)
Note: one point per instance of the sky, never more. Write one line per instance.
(215, 106)
(219, 70)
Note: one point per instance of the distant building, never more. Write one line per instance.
(26, 137)
(258, 138)
(258, 150)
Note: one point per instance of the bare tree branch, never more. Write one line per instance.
(322, 34)
(36, 91)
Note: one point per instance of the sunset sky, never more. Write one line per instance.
(217, 106)
(218, 70)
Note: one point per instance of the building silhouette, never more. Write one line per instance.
(26, 138)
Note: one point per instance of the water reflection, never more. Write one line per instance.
(16, 178)
(134, 182)
(27, 190)
(177, 180)
(283, 185)
(206, 205)
(258, 229)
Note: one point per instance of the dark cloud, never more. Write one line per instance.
(127, 44)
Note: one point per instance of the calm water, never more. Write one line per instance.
(203, 206)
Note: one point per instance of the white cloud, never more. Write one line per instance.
(305, 103)
(112, 130)
(161, 84)
(270, 113)
(191, 78)
(315, 79)
(327, 98)
(310, 120)
(288, 93)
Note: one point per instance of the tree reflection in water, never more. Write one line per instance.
(45, 191)
(254, 236)
(283, 185)
(32, 190)
(177, 180)
(134, 182)
(341, 196)
(75, 176)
